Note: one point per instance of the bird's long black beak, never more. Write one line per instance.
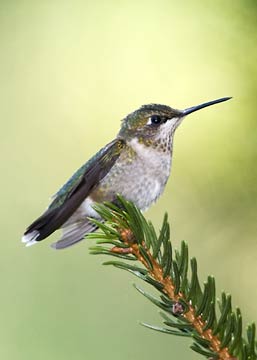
(201, 106)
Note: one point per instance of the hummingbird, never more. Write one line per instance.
(136, 165)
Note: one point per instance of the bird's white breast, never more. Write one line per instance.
(155, 172)
(154, 160)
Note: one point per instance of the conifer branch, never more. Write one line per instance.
(188, 310)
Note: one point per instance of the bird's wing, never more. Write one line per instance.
(73, 193)
(105, 156)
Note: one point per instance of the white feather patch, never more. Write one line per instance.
(31, 242)
(30, 238)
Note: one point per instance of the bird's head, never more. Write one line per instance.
(154, 121)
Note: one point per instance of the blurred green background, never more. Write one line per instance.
(69, 71)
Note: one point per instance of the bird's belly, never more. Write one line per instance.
(138, 181)
(142, 190)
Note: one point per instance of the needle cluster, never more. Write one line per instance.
(188, 309)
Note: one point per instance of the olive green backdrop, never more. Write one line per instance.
(69, 71)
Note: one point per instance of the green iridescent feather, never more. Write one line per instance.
(64, 192)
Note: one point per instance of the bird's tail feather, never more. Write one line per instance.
(52, 220)
(74, 233)
(40, 228)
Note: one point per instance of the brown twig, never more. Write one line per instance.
(168, 287)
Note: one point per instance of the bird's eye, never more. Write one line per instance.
(155, 120)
